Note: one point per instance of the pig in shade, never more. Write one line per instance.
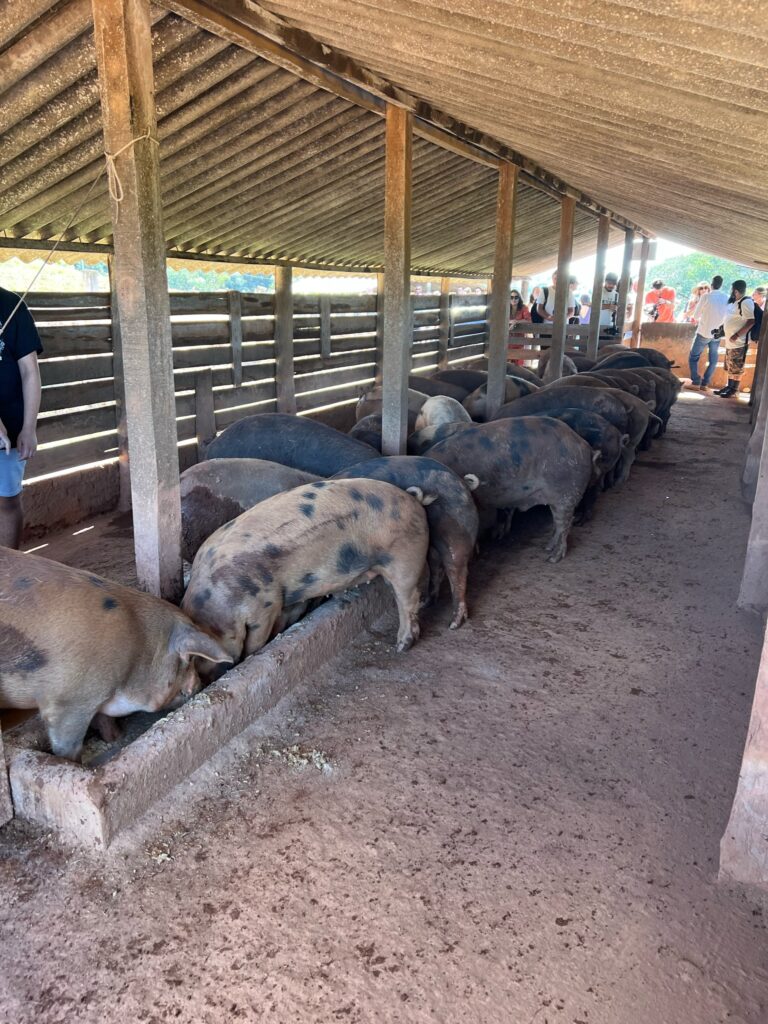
(292, 441)
(521, 463)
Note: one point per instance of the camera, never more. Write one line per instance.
(718, 332)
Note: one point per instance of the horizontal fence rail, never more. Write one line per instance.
(224, 362)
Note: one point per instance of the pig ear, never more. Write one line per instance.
(472, 481)
(420, 496)
(189, 642)
(624, 440)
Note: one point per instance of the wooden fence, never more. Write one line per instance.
(225, 362)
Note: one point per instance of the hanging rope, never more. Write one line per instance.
(116, 192)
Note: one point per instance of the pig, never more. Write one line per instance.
(452, 518)
(214, 492)
(293, 441)
(667, 389)
(640, 419)
(476, 403)
(655, 358)
(601, 378)
(569, 367)
(422, 440)
(551, 401)
(468, 379)
(370, 403)
(368, 430)
(603, 438)
(629, 380)
(582, 363)
(524, 373)
(521, 463)
(77, 646)
(621, 360)
(439, 410)
(306, 543)
(428, 386)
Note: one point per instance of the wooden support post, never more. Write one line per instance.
(756, 443)
(603, 234)
(637, 313)
(761, 365)
(124, 58)
(624, 289)
(498, 338)
(118, 371)
(444, 324)
(325, 326)
(754, 583)
(565, 250)
(398, 320)
(379, 328)
(285, 388)
(743, 849)
(235, 307)
(6, 805)
(205, 417)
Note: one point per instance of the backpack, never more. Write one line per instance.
(535, 317)
(754, 331)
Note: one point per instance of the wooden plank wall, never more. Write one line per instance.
(227, 339)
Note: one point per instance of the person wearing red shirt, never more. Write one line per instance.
(662, 299)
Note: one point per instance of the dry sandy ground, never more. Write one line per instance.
(515, 823)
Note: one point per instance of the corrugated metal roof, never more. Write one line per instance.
(656, 108)
(254, 161)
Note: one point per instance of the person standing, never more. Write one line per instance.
(739, 318)
(546, 303)
(708, 313)
(609, 303)
(662, 300)
(696, 292)
(19, 406)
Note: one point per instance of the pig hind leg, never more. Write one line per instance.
(403, 576)
(436, 574)
(562, 516)
(457, 577)
(67, 727)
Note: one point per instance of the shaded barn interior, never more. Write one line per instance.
(326, 136)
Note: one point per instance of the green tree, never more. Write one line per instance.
(684, 272)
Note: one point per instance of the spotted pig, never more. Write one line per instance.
(307, 543)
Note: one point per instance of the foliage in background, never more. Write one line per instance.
(684, 272)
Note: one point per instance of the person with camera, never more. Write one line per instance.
(739, 318)
(708, 314)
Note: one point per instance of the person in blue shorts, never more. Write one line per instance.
(19, 406)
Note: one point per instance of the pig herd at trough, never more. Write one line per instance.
(285, 511)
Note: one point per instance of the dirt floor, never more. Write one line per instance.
(514, 823)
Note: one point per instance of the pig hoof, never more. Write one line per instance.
(460, 617)
(405, 644)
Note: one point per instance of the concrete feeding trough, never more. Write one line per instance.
(90, 806)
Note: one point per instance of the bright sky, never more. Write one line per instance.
(584, 269)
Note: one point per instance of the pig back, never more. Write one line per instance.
(216, 491)
(293, 441)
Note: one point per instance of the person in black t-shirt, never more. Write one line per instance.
(19, 406)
